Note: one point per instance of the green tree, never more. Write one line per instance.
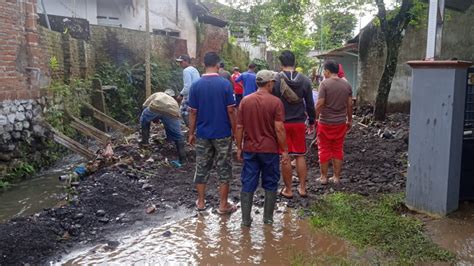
(333, 29)
(393, 24)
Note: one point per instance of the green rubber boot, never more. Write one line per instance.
(246, 201)
(269, 206)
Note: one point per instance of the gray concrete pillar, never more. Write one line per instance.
(436, 135)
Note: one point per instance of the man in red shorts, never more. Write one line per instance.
(334, 114)
(294, 90)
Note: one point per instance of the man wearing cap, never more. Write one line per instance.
(260, 135)
(190, 75)
(164, 107)
(238, 86)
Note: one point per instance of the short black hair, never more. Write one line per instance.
(221, 65)
(211, 59)
(262, 83)
(331, 66)
(287, 59)
(252, 65)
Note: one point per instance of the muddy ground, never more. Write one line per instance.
(118, 197)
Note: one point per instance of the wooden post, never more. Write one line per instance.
(88, 130)
(98, 101)
(70, 143)
(109, 121)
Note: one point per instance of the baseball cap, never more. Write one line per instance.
(170, 92)
(236, 68)
(266, 75)
(184, 57)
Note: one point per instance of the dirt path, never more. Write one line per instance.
(116, 198)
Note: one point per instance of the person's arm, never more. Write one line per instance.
(187, 82)
(148, 101)
(239, 78)
(281, 137)
(239, 135)
(319, 107)
(192, 126)
(231, 113)
(308, 98)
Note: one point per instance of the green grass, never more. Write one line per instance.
(376, 223)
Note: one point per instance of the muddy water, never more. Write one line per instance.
(456, 233)
(33, 195)
(213, 239)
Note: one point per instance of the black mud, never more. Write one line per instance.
(118, 197)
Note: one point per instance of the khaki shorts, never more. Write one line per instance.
(208, 150)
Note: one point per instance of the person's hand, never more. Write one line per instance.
(179, 98)
(309, 129)
(191, 139)
(349, 126)
(285, 158)
(240, 158)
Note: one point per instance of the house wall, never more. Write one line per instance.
(86, 9)
(255, 51)
(162, 16)
(458, 42)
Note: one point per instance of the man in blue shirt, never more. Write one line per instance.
(248, 77)
(212, 112)
(190, 75)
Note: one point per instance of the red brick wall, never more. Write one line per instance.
(20, 56)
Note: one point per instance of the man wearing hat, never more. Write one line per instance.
(164, 107)
(190, 75)
(260, 136)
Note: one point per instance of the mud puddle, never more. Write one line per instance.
(212, 239)
(456, 233)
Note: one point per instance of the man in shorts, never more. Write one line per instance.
(190, 75)
(260, 125)
(212, 112)
(334, 114)
(295, 91)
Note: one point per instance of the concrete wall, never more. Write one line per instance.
(86, 9)
(458, 42)
(162, 16)
(255, 51)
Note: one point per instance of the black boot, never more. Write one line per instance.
(181, 151)
(246, 201)
(145, 136)
(269, 206)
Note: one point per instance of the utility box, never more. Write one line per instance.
(438, 97)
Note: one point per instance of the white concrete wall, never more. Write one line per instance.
(162, 16)
(258, 51)
(86, 9)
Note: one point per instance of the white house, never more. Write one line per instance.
(175, 18)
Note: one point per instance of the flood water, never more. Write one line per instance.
(213, 239)
(456, 233)
(33, 195)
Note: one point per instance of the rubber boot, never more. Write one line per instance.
(181, 151)
(269, 206)
(246, 201)
(145, 136)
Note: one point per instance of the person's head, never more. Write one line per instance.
(184, 60)
(252, 67)
(236, 70)
(171, 93)
(211, 61)
(287, 59)
(265, 80)
(330, 68)
(221, 65)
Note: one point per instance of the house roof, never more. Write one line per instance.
(204, 15)
(348, 49)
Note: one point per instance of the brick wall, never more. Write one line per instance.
(20, 55)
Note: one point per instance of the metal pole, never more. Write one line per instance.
(435, 29)
(147, 52)
(45, 15)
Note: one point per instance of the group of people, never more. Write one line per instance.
(267, 114)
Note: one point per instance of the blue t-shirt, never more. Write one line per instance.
(250, 83)
(210, 96)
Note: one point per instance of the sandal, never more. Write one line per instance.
(283, 195)
(200, 209)
(305, 195)
(231, 209)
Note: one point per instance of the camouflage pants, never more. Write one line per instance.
(208, 150)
